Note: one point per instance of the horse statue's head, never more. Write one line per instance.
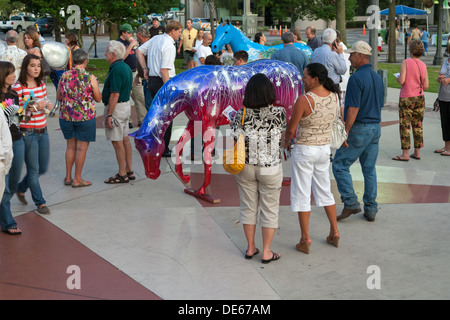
(224, 35)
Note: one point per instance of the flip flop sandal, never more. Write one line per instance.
(83, 183)
(414, 157)
(68, 183)
(131, 175)
(440, 150)
(12, 233)
(445, 153)
(117, 179)
(397, 158)
(275, 256)
(249, 256)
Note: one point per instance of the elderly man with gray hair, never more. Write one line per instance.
(11, 53)
(290, 53)
(331, 55)
(116, 98)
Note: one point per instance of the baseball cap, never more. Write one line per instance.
(360, 47)
(126, 27)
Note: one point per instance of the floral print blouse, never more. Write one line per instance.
(262, 130)
(77, 96)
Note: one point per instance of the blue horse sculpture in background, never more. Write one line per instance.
(226, 33)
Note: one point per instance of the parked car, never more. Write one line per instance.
(45, 25)
(17, 23)
(159, 16)
(199, 23)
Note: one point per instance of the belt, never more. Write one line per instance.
(32, 130)
(155, 77)
(133, 70)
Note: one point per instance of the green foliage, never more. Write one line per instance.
(311, 9)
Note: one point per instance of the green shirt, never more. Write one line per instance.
(119, 80)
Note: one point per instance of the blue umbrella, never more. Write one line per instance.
(404, 10)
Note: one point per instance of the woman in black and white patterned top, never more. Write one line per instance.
(260, 181)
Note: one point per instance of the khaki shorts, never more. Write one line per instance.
(119, 121)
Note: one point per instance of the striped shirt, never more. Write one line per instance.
(38, 119)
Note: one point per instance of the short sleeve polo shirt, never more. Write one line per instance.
(365, 90)
(119, 80)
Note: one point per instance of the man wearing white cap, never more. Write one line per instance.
(362, 116)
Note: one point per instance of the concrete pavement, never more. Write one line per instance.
(149, 240)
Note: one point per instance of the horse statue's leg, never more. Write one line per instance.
(185, 137)
(209, 133)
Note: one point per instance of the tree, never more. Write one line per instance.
(312, 9)
(8, 6)
(341, 19)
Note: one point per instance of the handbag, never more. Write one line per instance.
(234, 158)
(338, 133)
(436, 105)
(46, 70)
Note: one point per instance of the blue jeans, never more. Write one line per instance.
(11, 180)
(147, 95)
(37, 154)
(363, 145)
(425, 45)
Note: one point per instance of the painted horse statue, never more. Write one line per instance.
(226, 33)
(203, 93)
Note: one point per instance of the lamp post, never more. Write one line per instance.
(438, 56)
(373, 32)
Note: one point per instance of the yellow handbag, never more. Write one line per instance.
(234, 158)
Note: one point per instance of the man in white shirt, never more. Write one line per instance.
(12, 53)
(161, 52)
(204, 50)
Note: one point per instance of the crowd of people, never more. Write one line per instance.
(140, 67)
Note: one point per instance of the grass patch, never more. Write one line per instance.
(433, 72)
(99, 68)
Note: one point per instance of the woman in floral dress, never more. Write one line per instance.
(77, 93)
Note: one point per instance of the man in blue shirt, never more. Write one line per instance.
(290, 53)
(362, 116)
(331, 55)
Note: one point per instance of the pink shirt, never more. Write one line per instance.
(416, 71)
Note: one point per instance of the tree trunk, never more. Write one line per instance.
(95, 38)
(340, 20)
(392, 36)
(212, 18)
(57, 29)
(113, 31)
